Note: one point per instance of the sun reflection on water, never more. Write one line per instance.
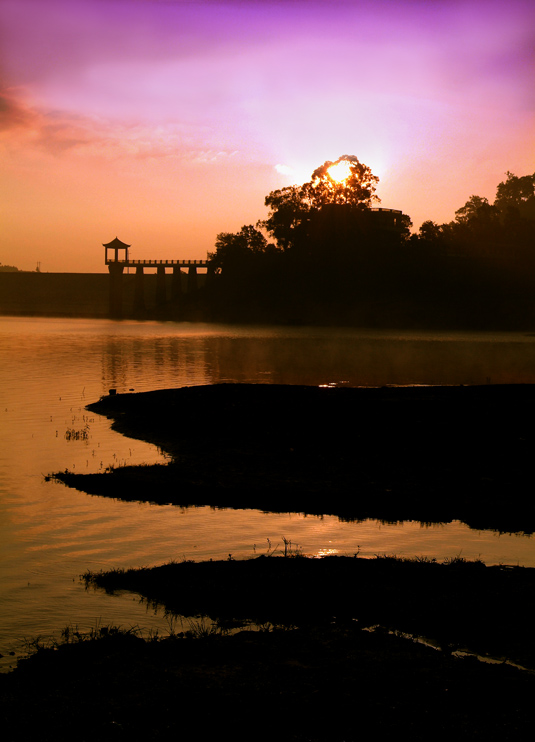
(326, 551)
(49, 371)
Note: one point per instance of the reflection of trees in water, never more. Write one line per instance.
(313, 358)
(347, 359)
(155, 361)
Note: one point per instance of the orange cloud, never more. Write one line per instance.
(22, 123)
(14, 114)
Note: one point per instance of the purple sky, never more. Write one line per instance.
(166, 122)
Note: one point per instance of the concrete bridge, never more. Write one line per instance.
(117, 259)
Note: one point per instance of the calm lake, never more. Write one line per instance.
(51, 368)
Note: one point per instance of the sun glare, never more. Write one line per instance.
(340, 171)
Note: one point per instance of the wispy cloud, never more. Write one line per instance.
(27, 127)
(14, 113)
(61, 133)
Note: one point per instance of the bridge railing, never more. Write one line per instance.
(153, 263)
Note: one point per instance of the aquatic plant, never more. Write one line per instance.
(200, 627)
(71, 434)
(289, 550)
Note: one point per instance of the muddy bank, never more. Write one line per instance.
(326, 679)
(433, 454)
(457, 605)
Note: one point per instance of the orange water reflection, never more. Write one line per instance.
(49, 371)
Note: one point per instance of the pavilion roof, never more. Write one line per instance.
(115, 244)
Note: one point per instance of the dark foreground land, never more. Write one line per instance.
(324, 678)
(429, 454)
(432, 454)
(457, 605)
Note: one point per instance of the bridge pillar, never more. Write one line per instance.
(116, 290)
(161, 296)
(176, 285)
(210, 273)
(192, 279)
(139, 293)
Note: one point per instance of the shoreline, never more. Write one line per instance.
(456, 604)
(313, 674)
(431, 454)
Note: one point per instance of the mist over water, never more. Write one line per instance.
(51, 368)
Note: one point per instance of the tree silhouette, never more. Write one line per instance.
(293, 208)
(337, 259)
(475, 209)
(234, 248)
(357, 189)
(517, 193)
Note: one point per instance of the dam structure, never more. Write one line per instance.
(187, 277)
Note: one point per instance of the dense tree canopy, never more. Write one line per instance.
(485, 230)
(476, 208)
(517, 193)
(336, 259)
(355, 186)
(292, 209)
(232, 248)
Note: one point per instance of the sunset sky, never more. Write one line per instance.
(165, 122)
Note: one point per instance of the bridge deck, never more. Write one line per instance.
(158, 263)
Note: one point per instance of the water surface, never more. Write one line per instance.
(51, 368)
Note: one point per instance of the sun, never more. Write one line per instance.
(340, 171)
